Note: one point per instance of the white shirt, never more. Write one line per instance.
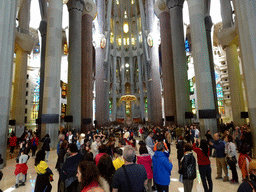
(70, 139)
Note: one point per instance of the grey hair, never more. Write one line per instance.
(129, 153)
(160, 146)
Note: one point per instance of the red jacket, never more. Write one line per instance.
(13, 141)
(201, 158)
(147, 162)
(36, 139)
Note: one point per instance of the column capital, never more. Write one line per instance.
(228, 36)
(160, 7)
(43, 28)
(90, 8)
(76, 4)
(174, 3)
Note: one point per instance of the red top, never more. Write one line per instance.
(147, 162)
(201, 158)
(36, 139)
(97, 158)
(13, 141)
(90, 186)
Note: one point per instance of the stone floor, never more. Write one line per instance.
(8, 181)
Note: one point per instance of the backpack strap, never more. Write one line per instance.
(253, 189)
(128, 179)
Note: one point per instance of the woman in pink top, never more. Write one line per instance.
(145, 159)
(102, 151)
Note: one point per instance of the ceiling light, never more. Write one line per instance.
(126, 27)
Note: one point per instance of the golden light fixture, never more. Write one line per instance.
(112, 38)
(133, 41)
(119, 41)
(132, 2)
(126, 27)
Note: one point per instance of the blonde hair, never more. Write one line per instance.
(81, 137)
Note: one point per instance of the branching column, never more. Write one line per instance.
(228, 38)
(19, 91)
(205, 95)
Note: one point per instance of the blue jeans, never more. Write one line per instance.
(206, 173)
(47, 155)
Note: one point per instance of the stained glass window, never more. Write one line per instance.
(35, 102)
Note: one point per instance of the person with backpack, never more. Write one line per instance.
(162, 167)
(44, 173)
(204, 164)
(249, 184)
(188, 168)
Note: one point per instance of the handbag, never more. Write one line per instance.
(231, 160)
(191, 172)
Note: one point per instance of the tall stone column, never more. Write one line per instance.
(51, 98)
(208, 28)
(19, 91)
(154, 81)
(7, 28)
(122, 81)
(114, 87)
(102, 115)
(87, 70)
(179, 61)
(114, 107)
(205, 94)
(167, 61)
(228, 39)
(142, 108)
(43, 31)
(245, 11)
(131, 56)
(75, 8)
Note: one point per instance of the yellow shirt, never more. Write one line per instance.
(118, 162)
(41, 167)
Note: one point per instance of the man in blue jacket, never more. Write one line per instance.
(219, 146)
(162, 167)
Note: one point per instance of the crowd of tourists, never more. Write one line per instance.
(137, 158)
